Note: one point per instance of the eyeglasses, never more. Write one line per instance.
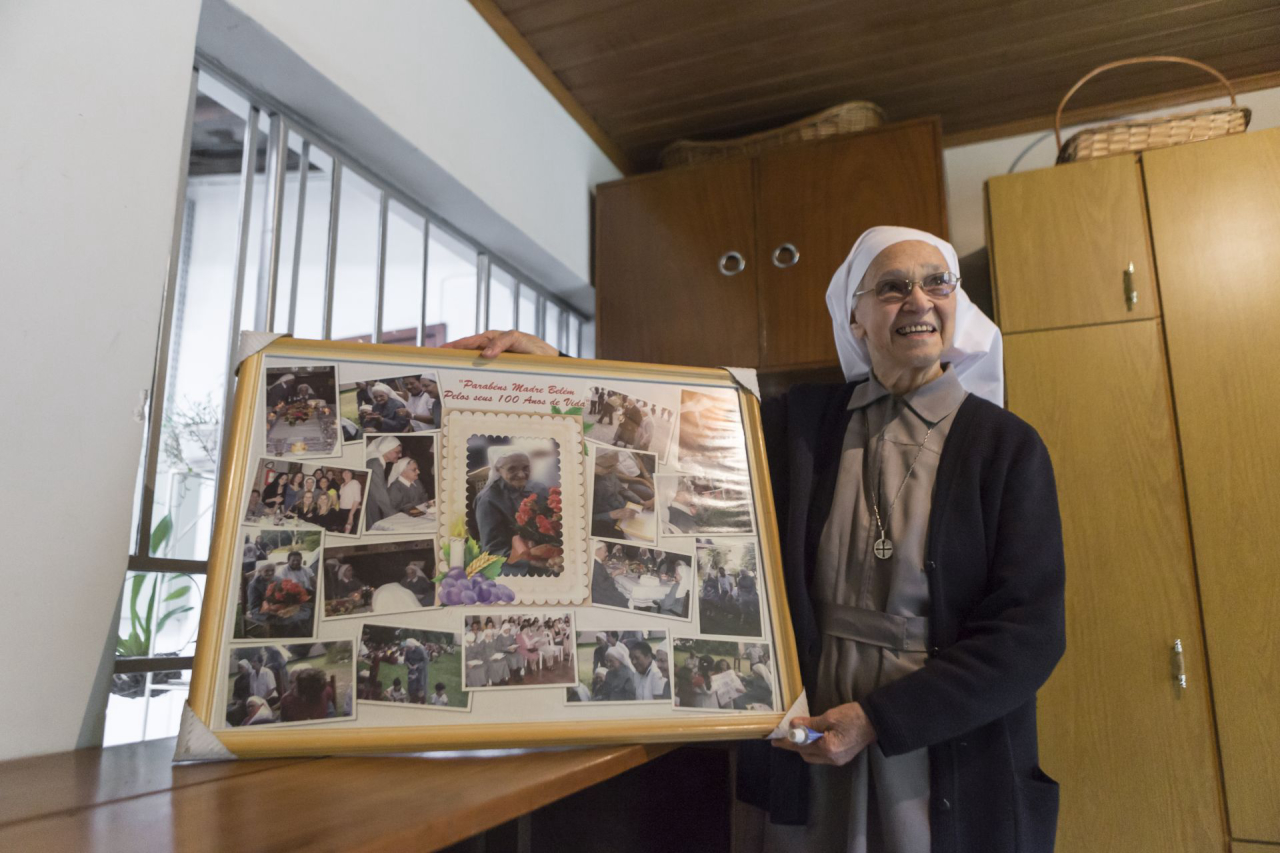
(891, 291)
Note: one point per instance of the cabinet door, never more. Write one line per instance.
(1134, 751)
(819, 198)
(1215, 222)
(660, 293)
(1062, 240)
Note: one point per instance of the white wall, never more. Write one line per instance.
(488, 146)
(95, 97)
(969, 166)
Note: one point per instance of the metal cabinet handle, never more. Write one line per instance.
(1130, 292)
(1179, 667)
(732, 263)
(777, 256)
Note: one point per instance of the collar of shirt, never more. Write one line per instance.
(932, 401)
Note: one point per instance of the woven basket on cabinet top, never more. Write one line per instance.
(850, 117)
(1124, 137)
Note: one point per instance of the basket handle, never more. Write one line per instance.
(1137, 60)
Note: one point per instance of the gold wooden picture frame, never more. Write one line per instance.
(528, 715)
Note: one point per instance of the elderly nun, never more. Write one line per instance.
(510, 482)
(404, 485)
(922, 551)
(380, 453)
(389, 413)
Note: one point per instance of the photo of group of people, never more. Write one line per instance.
(622, 666)
(402, 484)
(646, 580)
(277, 584)
(620, 420)
(307, 494)
(719, 675)
(514, 502)
(301, 411)
(408, 666)
(728, 589)
(398, 405)
(290, 683)
(511, 650)
(690, 505)
(622, 495)
(379, 577)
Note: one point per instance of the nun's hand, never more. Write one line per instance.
(493, 342)
(846, 732)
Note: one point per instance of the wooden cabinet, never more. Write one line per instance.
(661, 238)
(819, 198)
(792, 215)
(1133, 752)
(1159, 422)
(1066, 238)
(1215, 222)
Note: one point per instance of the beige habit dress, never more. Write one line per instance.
(872, 613)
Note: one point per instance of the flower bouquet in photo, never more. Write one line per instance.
(285, 598)
(297, 413)
(362, 597)
(539, 532)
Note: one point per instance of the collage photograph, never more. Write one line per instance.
(409, 666)
(277, 584)
(290, 683)
(728, 589)
(510, 650)
(622, 495)
(628, 422)
(379, 577)
(642, 579)
(690, 505)
(514, 502)
(301, 412)
(622, 666)
(402, 484)
(327, 497)
(402, 404)
(720, 675)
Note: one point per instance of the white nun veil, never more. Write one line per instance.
(976, 351)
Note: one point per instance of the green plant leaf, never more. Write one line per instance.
(492, 570)
(177, 593)
(160, 533)
(444, 552)
(172, 613)
(586, 428)
(135, 589)
(573, 410)
(470, 552)
(131, 646)
(555, 410)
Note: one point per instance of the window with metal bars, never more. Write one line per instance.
(277, 229)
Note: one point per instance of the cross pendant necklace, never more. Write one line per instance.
(883, 547)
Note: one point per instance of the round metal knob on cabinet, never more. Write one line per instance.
(786, 255)
(732, 263)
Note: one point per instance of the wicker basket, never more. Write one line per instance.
(1128, 136)
(836, 121)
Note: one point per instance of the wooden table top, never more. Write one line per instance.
(132, 797)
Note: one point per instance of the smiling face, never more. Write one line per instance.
(515, 469)
(912, 334)
(413, 385)
(379, 397)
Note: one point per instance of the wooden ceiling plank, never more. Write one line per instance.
(743, 48)
(1107, 20)
(656, 25)
(786, 100)
(493, 15)
(535, 21)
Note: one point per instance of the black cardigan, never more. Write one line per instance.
(996, 621)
